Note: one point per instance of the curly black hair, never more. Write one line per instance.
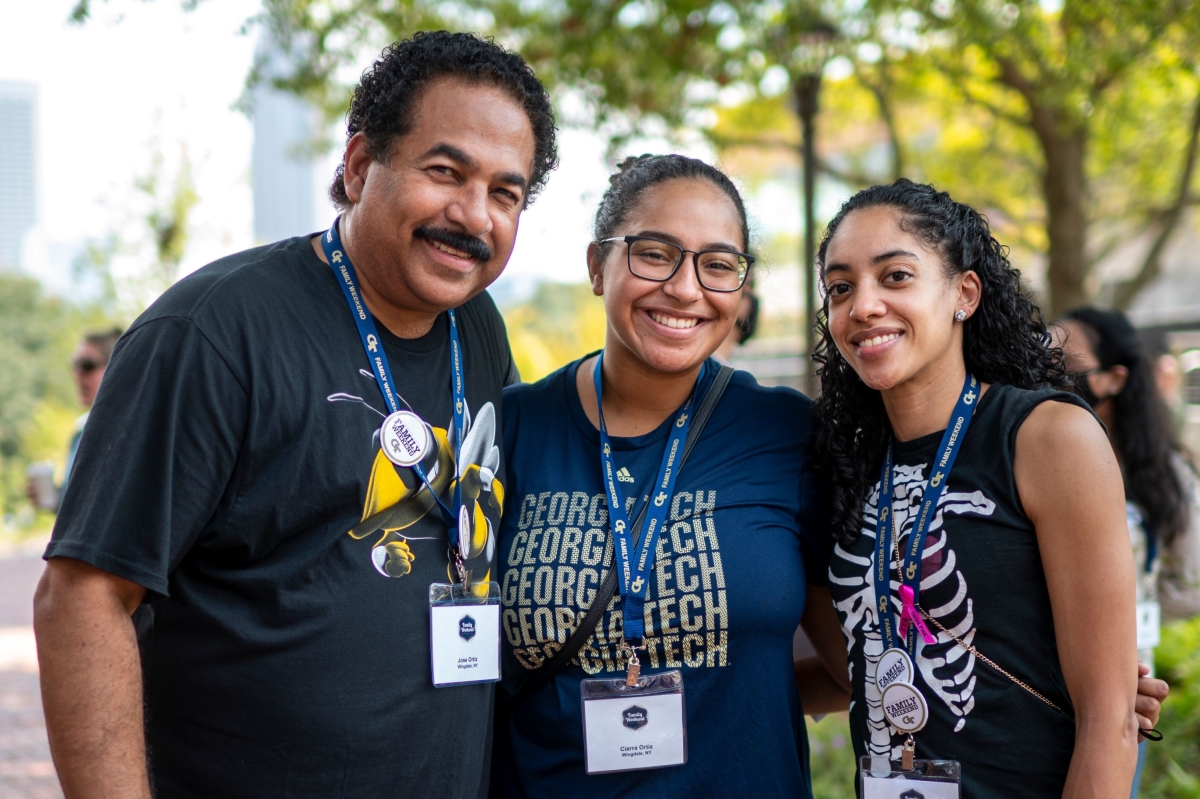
(1142, 433)
(1004, 341)
(638, 173)
(384, 98)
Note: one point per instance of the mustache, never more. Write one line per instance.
(471, 245)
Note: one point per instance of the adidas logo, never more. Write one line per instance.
(624, 476)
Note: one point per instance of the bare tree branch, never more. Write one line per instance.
(1151, 266)
(764, 143)
(848, 176)
(884, 101)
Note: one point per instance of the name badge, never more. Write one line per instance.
(882, 778)
(464, 633)
(1149, 619)
(634, 727)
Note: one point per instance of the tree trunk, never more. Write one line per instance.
(1064, 184)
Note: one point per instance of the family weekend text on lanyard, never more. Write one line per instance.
(634, 579)
(910, 588)
(347, 278)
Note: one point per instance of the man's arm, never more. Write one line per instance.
(91, 678)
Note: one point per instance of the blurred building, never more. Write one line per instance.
(18, 169)
(282, 163)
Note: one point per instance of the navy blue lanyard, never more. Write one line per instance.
(347, 278)
(943, 462)
(635, 582)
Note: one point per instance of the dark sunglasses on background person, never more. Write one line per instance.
(86, 365)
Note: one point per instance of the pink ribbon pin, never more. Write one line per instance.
(909, 612)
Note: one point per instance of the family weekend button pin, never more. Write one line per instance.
(894, 666)
(904, 707)
(404, 438)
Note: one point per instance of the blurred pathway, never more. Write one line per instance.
(26, 771)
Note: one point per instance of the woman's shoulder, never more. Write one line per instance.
(1012, 409)
(1020, 402)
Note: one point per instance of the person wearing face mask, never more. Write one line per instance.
(982, 576)
(664, 534)
(1111, 373)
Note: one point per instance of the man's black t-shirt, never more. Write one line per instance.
(231, 465)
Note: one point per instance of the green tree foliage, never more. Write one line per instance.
(1073, 90)
(37, 396)
(1035, 113)
(1173, 765)
(139, 258)
(1074, 123)
(831, 757)
(559, 323)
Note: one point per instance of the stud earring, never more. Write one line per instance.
(960, 315)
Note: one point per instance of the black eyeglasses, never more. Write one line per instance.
(85, 365)
(652, 259)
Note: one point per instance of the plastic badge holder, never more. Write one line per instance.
(464, 633)
(881, 778)
(630, 728)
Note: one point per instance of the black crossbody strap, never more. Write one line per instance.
(541, 676)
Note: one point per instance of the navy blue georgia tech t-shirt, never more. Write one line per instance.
(743, 537)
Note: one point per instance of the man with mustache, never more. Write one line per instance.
(234, 466)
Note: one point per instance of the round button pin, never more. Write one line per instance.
(404, 438)
(894, 666)
(904, 707)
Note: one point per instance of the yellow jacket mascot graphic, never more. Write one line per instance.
(397, 499)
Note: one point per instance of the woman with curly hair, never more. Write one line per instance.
(983, 575)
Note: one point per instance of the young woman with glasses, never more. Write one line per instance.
(940, 387)
(741, 543)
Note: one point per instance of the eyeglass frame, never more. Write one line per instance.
(629, 240)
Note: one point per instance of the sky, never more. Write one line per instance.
(146, 79)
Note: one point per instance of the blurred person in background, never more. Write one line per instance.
(87, 366)
(1112, 374)
(744, 326)
(1169, 378)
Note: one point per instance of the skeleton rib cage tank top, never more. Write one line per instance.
(982, 578)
